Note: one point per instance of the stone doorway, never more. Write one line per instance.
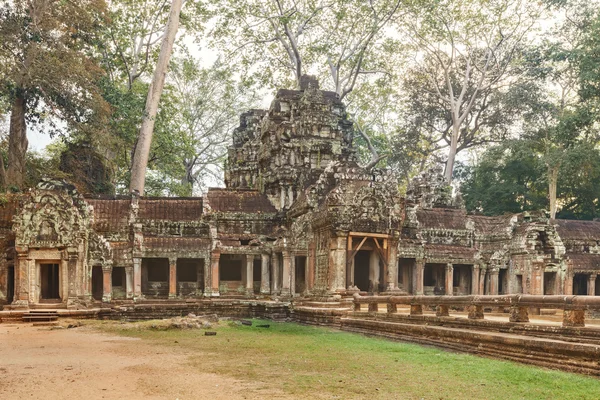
(97, 283)
(550, 283)
(362, 266)
(10, 285)
(406, 266)
(434, 276)
(300, 274)
(49, 279)
(580, 282)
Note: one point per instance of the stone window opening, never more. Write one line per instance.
(580, 282)
(230, 272)
(155, 277)
(118, 277)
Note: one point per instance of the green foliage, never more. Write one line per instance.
(46, 57)
(509, 178)
(512, 177)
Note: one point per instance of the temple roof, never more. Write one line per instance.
(239, 200)
(442, 218)
(584, 262)
(574, 229)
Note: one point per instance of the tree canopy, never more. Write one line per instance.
(505, 94)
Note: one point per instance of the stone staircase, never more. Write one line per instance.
(43, 315)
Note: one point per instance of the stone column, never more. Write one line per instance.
(72, 281)
(249, 273)
(21, 297)
(129, 282)
(494, 281)
(448, 287)
(482, 274)
(137, 277)
(3, 280)
(172, 277)
(592, 285)
(568, 288)
(310, 267)
(418, 274)
(215, 256)
(264, 274)
(286, 281)
(292, 274)
(275, 268)
(106, 283)
(475, 279)
(392, 270)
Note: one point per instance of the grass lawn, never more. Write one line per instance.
(310, 362)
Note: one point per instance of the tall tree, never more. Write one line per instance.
(142, 149)
(471, 46)
(46, 73)
(205, 104)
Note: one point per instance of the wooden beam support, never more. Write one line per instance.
(372, 235)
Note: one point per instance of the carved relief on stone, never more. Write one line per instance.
(52, 215)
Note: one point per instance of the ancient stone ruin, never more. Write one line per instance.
(298, 218)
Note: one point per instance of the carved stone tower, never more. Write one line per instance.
(284, 150)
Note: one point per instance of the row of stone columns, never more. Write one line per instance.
(476, 279)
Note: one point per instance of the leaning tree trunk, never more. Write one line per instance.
(552, 183)
(142, 150)
(17, 144)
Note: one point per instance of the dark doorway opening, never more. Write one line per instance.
(230, 273)
(155, 277)
(190, 276)
(405, 273)
(300, 274)
(434, 276)
(49, 282)
(503, 281)
(361, 270)
(550, 283)
(256, 275)
(97, 284)
(118, 280)
(10, 285)
(580, 284)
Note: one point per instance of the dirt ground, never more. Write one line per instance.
(77, 363)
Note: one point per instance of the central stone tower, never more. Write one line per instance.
(284, 150)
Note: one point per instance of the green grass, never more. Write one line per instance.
(310, 362)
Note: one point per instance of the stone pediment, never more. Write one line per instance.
(53, 214)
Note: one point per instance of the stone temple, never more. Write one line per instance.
(299, 217)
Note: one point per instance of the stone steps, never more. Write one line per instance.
(40, 316)
(543, 351)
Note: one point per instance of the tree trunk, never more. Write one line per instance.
(17, 143)
(452, 153)
(142, 150)
(552, 183)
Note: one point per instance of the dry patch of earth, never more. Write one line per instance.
(79, 363)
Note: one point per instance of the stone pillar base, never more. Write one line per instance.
(392, 308)
(442, 311)
(475, 312)
(573, 318)
(19, 304)
(519, 314)
(416, 309)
